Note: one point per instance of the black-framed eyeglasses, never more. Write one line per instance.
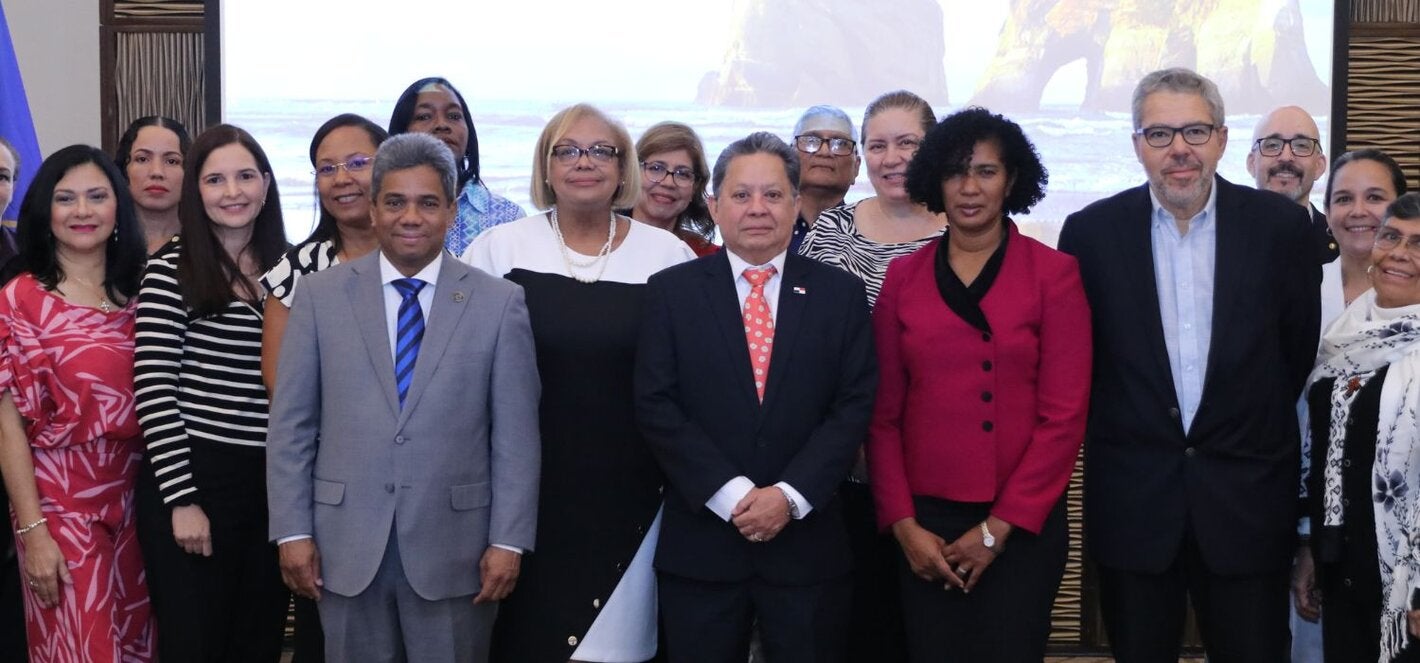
(1389, 238)
(354, 164)
(1301, 146)
(656, 172)
(810, 144)
(1162, 136)
(569, 154)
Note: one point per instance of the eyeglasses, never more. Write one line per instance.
(1389, 238)
(351, 165)
(1160, 136)
(569, 154)
(656, 172)
(1301, 146)
(839, 147)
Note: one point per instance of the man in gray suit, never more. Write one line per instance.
(402, 457)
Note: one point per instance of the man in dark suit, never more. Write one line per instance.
(754, 386)
(1205, 309)
(1286, 157)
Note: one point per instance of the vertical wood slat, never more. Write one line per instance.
(1385, 11)
(1383, 104)
(160, 73)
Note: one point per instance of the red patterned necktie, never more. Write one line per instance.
(759, 326)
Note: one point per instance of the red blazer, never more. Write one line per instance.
(973, 417)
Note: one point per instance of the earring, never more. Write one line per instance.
(114, 237)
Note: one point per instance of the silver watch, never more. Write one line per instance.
(987, 538)
(793, 506)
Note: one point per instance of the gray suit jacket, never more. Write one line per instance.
(455, 470)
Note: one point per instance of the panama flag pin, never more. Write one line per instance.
(800, 290)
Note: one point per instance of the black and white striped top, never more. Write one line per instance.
(834, 240)
(196, 380)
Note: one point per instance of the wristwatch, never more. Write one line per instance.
(793, 506)
(987, 539)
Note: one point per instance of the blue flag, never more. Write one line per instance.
(15, 122)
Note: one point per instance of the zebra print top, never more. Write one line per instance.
(834, 240)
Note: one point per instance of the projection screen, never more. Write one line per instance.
(1063, 69)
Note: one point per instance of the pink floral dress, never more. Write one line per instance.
(69, 369)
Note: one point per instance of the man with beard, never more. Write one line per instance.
(1287, 158)
(1203, 296)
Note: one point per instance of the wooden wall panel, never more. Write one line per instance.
(159, 73)
(1383, 104)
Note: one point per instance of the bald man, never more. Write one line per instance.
(1286, 157)
(1276, 165)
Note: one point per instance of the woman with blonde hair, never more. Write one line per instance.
(588, 592)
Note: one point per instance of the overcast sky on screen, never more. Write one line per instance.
(555, 50)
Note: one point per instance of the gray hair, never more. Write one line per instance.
(825, 117)
(1178, 80)
(759, 142)
(411, 150)
(1405, 207)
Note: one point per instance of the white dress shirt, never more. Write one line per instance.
(723, 502)
(388, 275)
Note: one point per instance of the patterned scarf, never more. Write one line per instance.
(1365, 338)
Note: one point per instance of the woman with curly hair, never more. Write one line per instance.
(984, 358)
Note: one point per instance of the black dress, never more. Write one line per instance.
(1348, 572)
(600, 488)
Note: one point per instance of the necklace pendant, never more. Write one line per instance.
(1353, 385)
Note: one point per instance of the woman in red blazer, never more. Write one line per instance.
(984, 351)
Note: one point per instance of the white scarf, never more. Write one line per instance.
(1364, 339)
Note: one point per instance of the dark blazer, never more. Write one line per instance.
(1232, 477)
(696, 404)
(1326, 246)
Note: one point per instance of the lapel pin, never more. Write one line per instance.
(800, 290)
(458, 297)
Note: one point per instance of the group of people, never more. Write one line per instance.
(458, 432)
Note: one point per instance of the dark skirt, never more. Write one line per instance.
(1006, 617)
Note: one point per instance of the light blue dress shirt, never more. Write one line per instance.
(1183, 273)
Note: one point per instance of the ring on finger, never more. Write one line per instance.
(962, 571)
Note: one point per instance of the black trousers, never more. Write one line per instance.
(1351, 629)
(1242, 619)
(309, 646)
(875, 609)
(710, 622)
(1006, 617)
(12, 601)
(230, 606)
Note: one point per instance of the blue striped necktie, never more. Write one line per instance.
(409, 331)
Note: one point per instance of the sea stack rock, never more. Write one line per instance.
(788, 53)
(1255, 50)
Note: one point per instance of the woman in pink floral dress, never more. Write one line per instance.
(70, 445)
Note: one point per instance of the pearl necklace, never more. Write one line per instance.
(600, 259)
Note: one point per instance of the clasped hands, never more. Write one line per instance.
(761, 514)
(958, 564)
